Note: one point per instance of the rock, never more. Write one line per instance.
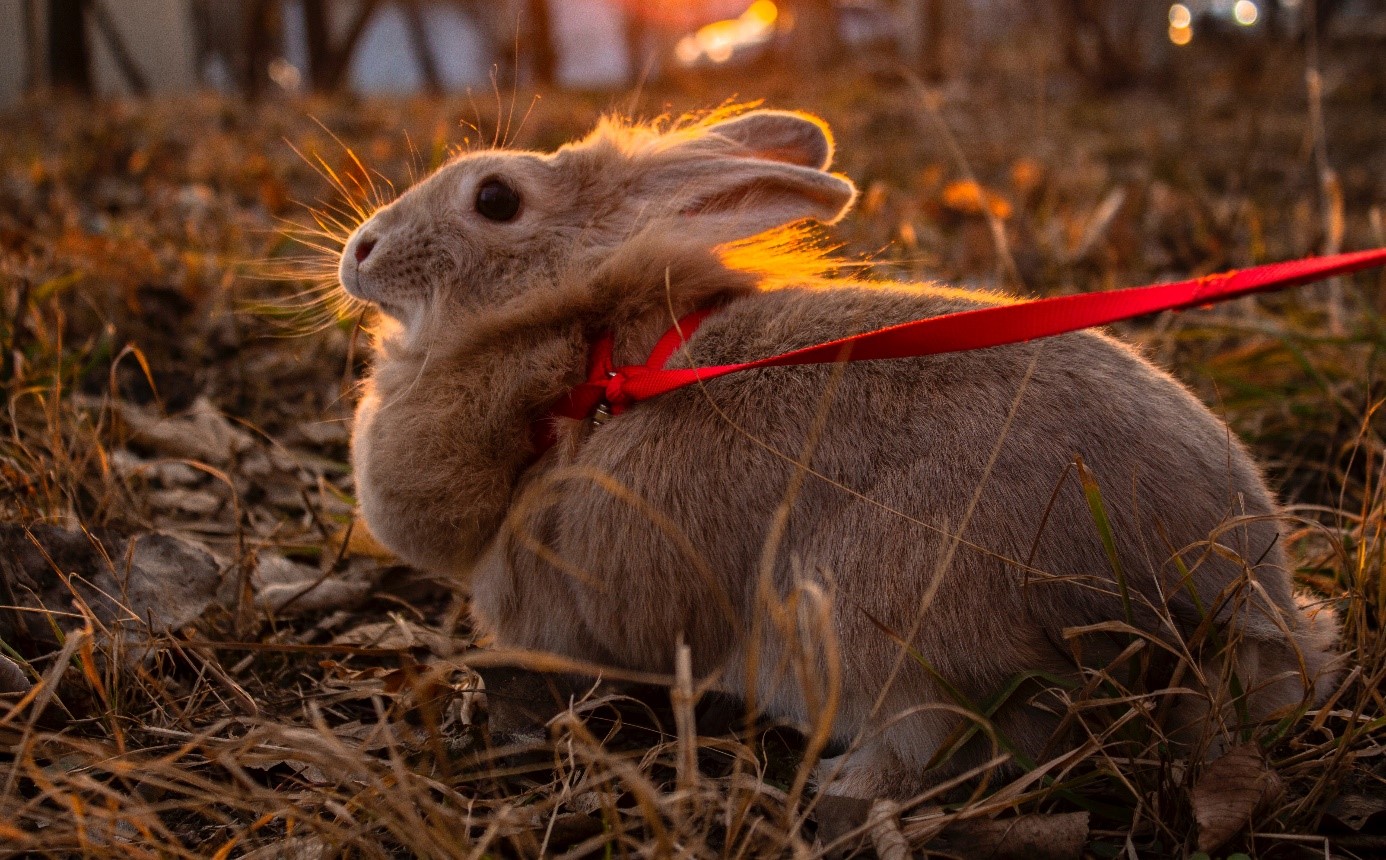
(152, 582)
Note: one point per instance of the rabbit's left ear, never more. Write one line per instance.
(794, 138)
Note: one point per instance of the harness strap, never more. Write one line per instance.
(612, 389)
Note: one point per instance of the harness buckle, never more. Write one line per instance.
(601, 414)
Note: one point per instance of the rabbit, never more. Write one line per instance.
(864, 549)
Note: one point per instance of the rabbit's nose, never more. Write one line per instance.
(363, 249)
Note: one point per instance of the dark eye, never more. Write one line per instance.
(497, 201)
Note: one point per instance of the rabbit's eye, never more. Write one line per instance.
(497, 201)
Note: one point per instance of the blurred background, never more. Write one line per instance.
(263, 47)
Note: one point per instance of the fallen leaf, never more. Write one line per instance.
(400, 633)
(148, 580)
(1229, 792)
(971, 198)
(197, 502)
(1024, 837)
(884, 826)
(297, 848)
(284, 585)
(1355, 811)
(12, 678)
(202, 433)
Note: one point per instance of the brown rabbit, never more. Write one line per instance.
(795, 527)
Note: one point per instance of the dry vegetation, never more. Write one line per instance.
(284, 689)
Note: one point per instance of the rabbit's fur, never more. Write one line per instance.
(793, 526)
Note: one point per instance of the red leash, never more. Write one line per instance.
(612, 389)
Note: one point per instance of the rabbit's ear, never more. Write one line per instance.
(794, 138)
(726, 199)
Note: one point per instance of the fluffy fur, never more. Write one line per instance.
(795, 527)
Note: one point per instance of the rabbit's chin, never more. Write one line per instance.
(398, 322)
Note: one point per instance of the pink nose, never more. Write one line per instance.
(363, 249)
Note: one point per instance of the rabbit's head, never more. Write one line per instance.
(488, 226)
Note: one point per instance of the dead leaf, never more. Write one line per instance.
(149, 580)
(284, 585)
(970, 198)
(884, 826)
(400, 633)
(453, 693)
(1024, 837)
(202, 433)
(202, 503)
(1229, 792)
(1355, 811)
(12, 678)
(296, 848)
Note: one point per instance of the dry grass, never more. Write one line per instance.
(149, 260)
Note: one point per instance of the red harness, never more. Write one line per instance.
(609, 390)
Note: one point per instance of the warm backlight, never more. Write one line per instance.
(719, 40)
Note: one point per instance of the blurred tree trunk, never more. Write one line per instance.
(340, 61)
(318, 36)
(33, 49)
(543, 51)
(262, 29)
(637, 32)
(423, 52)
(1102, 40)
(125, 62)
(933, 40)
(69, 58)
(816, 39)
(330, 60)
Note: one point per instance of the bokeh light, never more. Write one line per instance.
(1245, 12)
(719, 40)
(1180, 35)
(1180, 17)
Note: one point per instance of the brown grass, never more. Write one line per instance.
(147, 261)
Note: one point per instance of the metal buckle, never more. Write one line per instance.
(602, 413)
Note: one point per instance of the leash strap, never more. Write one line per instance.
(613, 389)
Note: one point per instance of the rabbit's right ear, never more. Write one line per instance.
(776, 135)
(727, 199)
(746, 175)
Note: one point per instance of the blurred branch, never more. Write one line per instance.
(262, 24)
(545, 63)
(319, 42)
(932, 37)
(134, 78)
(341, 59)
(418, 38)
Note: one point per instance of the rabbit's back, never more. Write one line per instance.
(942, 485)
